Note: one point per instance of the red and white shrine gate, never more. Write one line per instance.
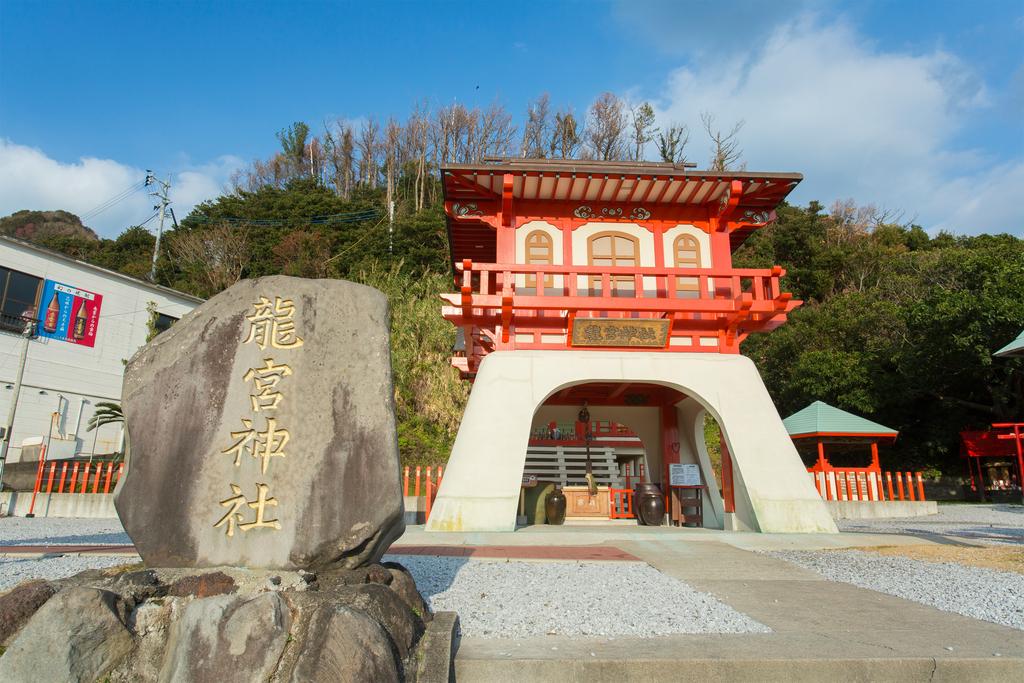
(616, 279)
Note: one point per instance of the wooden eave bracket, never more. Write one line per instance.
(506, 200)
(727, 207)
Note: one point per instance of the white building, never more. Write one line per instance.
(91, 321)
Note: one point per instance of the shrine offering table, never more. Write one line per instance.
(579, 502)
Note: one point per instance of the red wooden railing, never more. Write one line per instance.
(620, 504)
(91, 475)
(867, 486)
(721, 305)
(426, 480)
(95, 477)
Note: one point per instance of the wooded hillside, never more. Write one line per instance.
(896, 326)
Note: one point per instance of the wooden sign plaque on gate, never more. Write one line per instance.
(620, 333)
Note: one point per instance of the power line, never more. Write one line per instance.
(330, 219)
(112, 201)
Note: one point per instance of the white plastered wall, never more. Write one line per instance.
(480, 490)
(693, 450)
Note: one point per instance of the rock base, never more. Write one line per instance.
(225, 624)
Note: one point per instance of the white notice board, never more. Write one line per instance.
(684, 475)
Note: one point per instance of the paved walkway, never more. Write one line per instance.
(821, 630)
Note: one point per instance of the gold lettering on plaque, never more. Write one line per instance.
(620, 333)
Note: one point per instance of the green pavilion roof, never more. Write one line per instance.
(1014, 348)
(824, 420)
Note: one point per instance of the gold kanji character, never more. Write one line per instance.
(265, 380)
(272, 324)
(259, 505)
(264, 445)
(234, 518)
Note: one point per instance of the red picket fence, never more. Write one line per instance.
(426, 482)
(621, 504)
(861, 485)
(80, 477)
(88, 482)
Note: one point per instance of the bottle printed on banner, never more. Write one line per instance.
(81, 320)
(52, 314)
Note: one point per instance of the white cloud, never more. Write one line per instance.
(29, 179)
(857, 121)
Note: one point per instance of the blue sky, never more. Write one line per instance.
(911, 106)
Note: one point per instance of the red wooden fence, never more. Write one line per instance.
(860, 485)
(426, 482)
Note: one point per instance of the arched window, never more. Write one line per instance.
(687, 253)
(616, 249)
(539, 250)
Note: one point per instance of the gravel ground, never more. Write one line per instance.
(497, 599)
(57, 531)
(61, 531)
(992, 524)
(975, 592)
(14, 570)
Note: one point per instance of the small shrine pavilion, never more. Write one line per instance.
(1001, 449)
(846, 435)
(607, 289)
(1013, 349)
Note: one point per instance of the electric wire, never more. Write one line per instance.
(329, 219)
(112, 201)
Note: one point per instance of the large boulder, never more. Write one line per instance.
(343, 644)
(228, 638)
(19, 604)
(262, 433)
(78, 635)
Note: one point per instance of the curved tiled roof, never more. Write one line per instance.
(822, 419)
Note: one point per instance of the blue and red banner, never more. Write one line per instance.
(69, 314)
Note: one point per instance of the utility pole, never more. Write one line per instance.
(26, 335)
(391, 227)
(161, 194)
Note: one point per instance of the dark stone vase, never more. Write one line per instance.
(649, 504)
(554, 507)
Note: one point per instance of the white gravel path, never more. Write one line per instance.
(511, 599)
(61, 531)
(974, 592)
(14, 570)
(992, 524)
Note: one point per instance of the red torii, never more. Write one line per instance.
(1016, 436)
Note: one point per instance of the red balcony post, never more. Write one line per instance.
(63, 473)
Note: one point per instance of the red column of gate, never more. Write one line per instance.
(727, 493)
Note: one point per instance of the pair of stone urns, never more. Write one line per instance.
(648, 505)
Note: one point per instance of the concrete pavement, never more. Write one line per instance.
(821, 629)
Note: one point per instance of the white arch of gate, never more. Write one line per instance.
(480, 490)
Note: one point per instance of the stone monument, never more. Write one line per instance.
(262, 431)
(262, 488)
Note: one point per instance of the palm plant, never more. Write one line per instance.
(105, 413)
